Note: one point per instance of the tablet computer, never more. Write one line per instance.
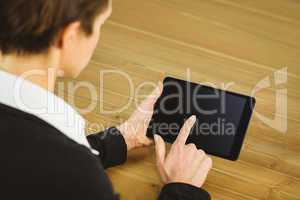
(222, 116)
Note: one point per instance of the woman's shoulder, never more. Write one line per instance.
(30, 138)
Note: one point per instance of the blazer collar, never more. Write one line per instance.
(23, 95)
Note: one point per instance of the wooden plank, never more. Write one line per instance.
(177, 62)
(234, 18)
(206, 36)
(283, 10)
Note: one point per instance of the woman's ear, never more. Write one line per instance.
(68, 36)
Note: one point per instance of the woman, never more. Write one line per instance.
(44, 152)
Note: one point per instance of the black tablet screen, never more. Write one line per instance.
(221, 121)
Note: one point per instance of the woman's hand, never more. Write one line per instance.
(184, 163)
(135, 128)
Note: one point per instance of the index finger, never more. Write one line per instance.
(185, 130)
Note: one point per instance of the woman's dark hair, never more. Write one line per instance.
(31, 26)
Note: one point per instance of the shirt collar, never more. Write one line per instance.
(23, 95)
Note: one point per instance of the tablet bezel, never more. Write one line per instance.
(243, 126)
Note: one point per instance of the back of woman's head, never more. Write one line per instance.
(32, 26)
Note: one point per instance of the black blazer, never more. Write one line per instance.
(39, 162)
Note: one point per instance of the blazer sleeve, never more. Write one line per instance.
(111, 146)
(182, 191)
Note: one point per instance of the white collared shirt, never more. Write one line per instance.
(23, 95)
